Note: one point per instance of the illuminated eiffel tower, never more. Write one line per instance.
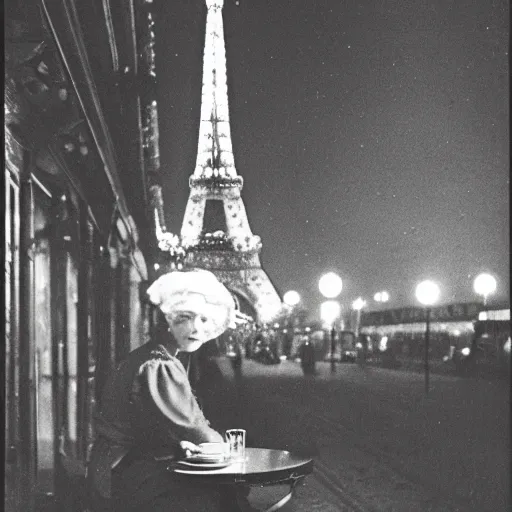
(215, 226)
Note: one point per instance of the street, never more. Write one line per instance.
(378, 442)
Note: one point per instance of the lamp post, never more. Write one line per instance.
(484, 284)
(427, 293)
(330, 286)
(358, 305)
(329, 312)
(291, 298)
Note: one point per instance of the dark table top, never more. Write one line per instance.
(261, 465)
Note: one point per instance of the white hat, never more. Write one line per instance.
(182, 291)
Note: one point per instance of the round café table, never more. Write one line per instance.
(261, 467)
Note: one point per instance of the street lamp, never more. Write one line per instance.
(329, 312)
(358, 305)
(484, 284)
(381, 296)
(330, 286)
(291, 298)
(427, 293)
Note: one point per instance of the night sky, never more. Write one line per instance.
(373, 137)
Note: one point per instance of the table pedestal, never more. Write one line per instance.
(244, 506)
(261, 468)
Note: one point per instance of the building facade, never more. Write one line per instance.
(452, 327)
(81, 193)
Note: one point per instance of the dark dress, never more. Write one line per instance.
(147, 408)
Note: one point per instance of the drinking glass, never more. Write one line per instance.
(236, 441)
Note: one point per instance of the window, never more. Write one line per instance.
(42, 341)
(12, 265)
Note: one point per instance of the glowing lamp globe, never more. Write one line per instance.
(381, 297)
(484, 284)
(330, 285)
(329, 311)
(291, 298)
(427, 293)
(358, 304)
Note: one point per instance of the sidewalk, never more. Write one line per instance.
(418, 365)
(438, 367)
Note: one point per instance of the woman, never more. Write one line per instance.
(307, 356)
(148, 411)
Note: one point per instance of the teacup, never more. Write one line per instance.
(213, 448)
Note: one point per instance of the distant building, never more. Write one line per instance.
(453, 325)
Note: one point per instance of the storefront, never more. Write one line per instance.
(75, 261)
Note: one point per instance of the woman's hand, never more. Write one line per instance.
(190, 448)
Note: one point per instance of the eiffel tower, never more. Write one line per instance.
(215, 226)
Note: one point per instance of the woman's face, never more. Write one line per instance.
(189, 329)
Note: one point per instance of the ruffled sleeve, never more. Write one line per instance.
(171, 405)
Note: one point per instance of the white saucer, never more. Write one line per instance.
(205, 465)
(206, 458)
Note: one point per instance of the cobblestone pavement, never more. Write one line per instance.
(378, 442)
